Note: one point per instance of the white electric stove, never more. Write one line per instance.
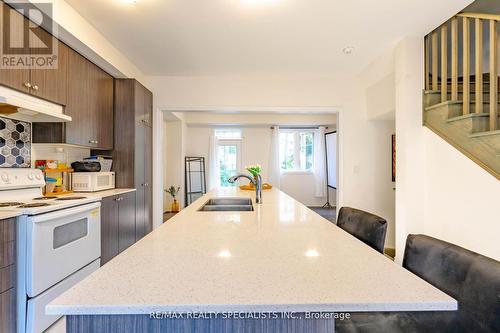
(21, 190)
(58, 243)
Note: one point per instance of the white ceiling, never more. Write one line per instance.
(233, 37)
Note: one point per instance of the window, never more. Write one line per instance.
(229, 157)
(296, 150)
(228, 134)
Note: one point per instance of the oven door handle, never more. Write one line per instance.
(64, 212)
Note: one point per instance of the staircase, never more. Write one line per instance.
(460, 106)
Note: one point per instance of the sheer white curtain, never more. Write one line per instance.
(213, 162)
(320, 162)
(274, 158)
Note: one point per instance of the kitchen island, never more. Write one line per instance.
(279, 268)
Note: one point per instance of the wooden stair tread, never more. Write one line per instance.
(468, 116)
(438, 105)
(483, 134)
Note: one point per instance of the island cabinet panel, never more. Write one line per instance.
(117, 225)
(8, 275)
(144, 323)
(133, 162)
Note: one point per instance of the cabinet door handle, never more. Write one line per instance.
(27, 84)
(35, 87)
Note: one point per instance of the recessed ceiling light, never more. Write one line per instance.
(224, 254)
(129, 1)
(312, 253)
(348, 50)
(260, 2)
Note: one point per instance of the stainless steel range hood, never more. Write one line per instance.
(20, 106)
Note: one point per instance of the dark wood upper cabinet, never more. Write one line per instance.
(148, 108)
(51, 84)
(80, 131)
(101, 101)
(46, 83)
(14, 78)
(90, 105)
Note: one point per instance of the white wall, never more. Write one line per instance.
(173, 160)
(65, 153)
(83, 37)
(461, 201)
(440, 192)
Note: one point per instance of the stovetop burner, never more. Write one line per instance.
(70, 198)
(10, 204)
(45, 198)
(34, 205)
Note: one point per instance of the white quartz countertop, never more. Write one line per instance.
(106, 193)
(281, 257)
(7, 214)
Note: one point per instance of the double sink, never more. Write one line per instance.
(227, 205)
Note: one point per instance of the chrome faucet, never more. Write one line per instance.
(256, 182)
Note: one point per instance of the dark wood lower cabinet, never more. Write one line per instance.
(109, 229)
(8, 311)
(8, 275)
(117, 225)
(126, 221)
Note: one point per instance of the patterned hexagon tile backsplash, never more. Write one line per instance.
(15, 143)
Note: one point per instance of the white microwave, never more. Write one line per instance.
(92, 181)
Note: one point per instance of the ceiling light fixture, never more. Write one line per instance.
(260, 2)
(130, 2)
(348, 50)
(224, 254)
(312, 253)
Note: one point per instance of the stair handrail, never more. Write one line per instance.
(483, 16)
(436, 44)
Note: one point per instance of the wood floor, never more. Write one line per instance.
(328, 213)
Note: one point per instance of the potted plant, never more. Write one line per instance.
(173, 191)
(255, 170)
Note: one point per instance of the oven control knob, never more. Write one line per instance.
(31, 176)
(38, 176)
(5, 177)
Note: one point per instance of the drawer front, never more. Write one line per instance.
(7, 278)
(37, 319)
(8, 311)
(7, 242)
